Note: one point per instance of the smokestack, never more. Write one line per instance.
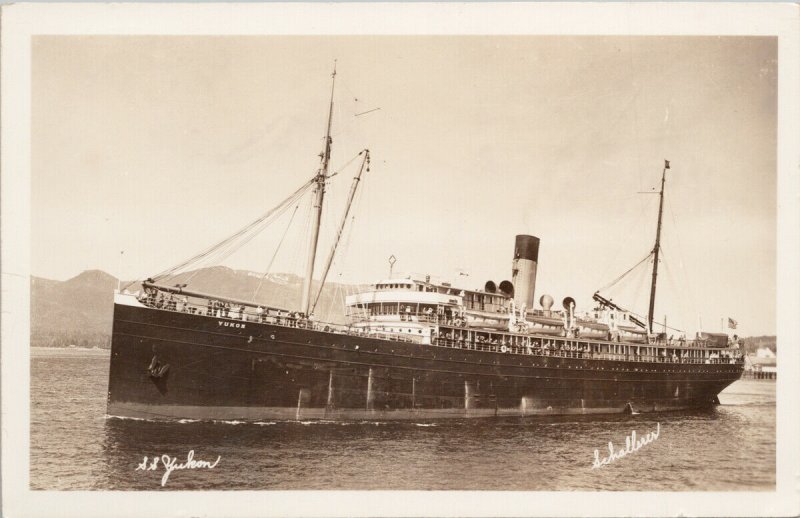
(526, 257)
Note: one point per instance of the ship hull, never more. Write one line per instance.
(168, 364)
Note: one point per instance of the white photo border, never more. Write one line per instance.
(22, 21)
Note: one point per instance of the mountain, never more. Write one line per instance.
(79, 310)
(76, 311)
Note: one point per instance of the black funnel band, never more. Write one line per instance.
(527, 247)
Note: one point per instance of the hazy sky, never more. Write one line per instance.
(159, 146)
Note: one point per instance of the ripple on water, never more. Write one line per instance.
(703, 450)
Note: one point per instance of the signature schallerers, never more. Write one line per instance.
(632, 445)
(170, 464)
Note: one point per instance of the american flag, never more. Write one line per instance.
(732, 323)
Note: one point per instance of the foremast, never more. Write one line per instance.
(319, 195)
(657, 249)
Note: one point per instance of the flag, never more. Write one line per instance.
(732, 323)
(666, 164)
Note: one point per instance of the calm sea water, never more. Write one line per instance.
(74, 445)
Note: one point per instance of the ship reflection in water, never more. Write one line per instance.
(729, 447)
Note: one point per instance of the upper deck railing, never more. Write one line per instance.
(496, 342)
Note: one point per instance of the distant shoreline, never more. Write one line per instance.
(76, 351)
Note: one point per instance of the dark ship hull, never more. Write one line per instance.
(169, 364)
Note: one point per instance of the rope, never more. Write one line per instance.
(681, 261)
(277, 248)
(342, 168)
(637, 221)
(615, 281)
(225, 251)
(230, 239)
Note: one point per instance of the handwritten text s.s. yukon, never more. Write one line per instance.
(170, 464)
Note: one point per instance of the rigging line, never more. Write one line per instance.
(232, 249)
(341, 168)
(340, 230)
(672, 282)
(225, 251)
(277, 248)
(341, 257)
(341, 289)
(333, 301)
(670, 277)
(637, 220)
(615, 281)
(638, 286)
(344, 247)
(303, 246)
(237, 234)
(681, 259)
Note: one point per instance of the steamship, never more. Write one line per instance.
(412, 347)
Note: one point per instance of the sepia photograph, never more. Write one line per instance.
(475, 261)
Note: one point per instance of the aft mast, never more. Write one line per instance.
(656, 250)
(319, 191)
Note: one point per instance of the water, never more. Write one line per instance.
(74, 445)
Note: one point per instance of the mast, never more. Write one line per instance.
(656, 250)
(350, 197)
(319, 191)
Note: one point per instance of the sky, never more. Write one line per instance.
(159, 146)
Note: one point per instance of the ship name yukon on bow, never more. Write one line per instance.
(413, 347)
